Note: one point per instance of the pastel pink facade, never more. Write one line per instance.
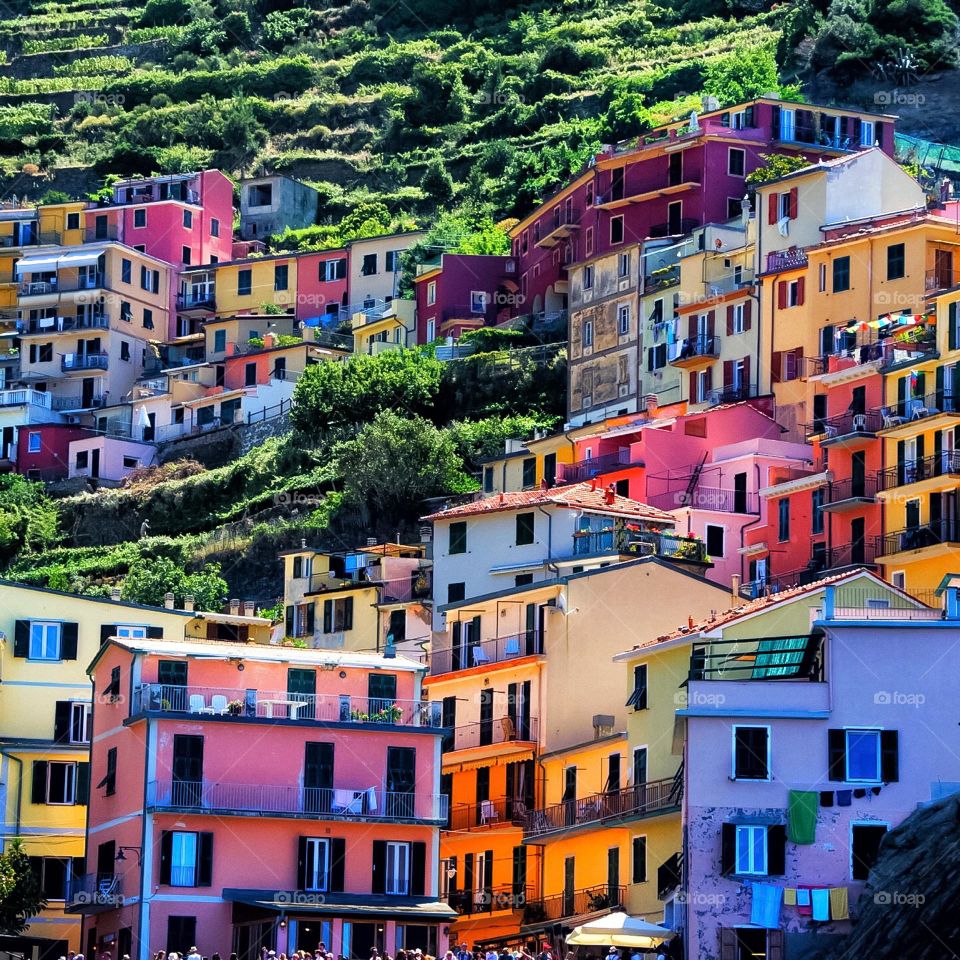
(273, 797)
(322, 281)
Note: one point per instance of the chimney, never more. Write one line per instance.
(593, 483)
(234, 607)
(249, 608)
(114, 593)
(269, 340)
(610, 494)
(735, 589)
(303, 544)
(168, 600)
(188, 603)
(651, 402)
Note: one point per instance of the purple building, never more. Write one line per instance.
(816, 720)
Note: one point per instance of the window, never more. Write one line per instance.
(739, 322)
(260, 195)
(638, 698)
(783, 520)
(139, 218)
(751, 850)
(126, 311)
(734, 208)
(657, 357)
(865, 840)
(736, 162)
(816, 510)
(186, 858)
(125, 350)
(316, 857)
(126, 270)
(333, 269)
(867, 133)
(398, 869)
(822, 277)
(214, 227)
(456, 592)
(82, 460)
(44, 640)
(588, 277)
(623, 319)
(714, 538)
(529, 468)
(616, 229)
(488, 479)
(525, 529)
(863, 756)
(458, 537)
(219, 341)
(188, 219)
(896, 261)
(751, 753)
(587, 333)
(73, 221)
(109, 780)
(841, 274)
(431, 330)
(587, 243)
(147, 318)
(623, 265)
(369, 266)
(639, 873)
(244, 283)
(61, 782)
(478, 301)
(33, 442)
(250, 374)
(523, 579)
(338, 615)
(52, 874)
(281, 276)
(431, 293)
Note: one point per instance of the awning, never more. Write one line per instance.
(343, 905)
(620, 930)
(82, 258)
(493, 761)
(37, 264)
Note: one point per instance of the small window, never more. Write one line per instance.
(751, 850)
(33, 442)
(82, 460)
(79, 723)
(736, 162)
(478, 302)
(623, 265)
(73, 221)
(841, 274)
(219, 341)
(616, 229)
(61, 783)
(109, 781)
(623, 319)
(523, 579)
(458, 537)
(126, 270)
(488, 479)
(865, 840)
(125, 351)
(638, 696)
(186, 255)
(816, 510)
(588, 277)
(456, 592)
(751, 753)
(587, 333)
(639, 873)
(244, 283)
(188, 219)
(525, 529)
(431, 293)
(714, 539)
(317, 864)
(529, 472)
(130, 463)
(863, 756)
(896, 261)
(392, 261)
(783, 520)
(139, 218)
(214, 227)
(281, 276)
(147, 318)
(369, 266)
(398, 869)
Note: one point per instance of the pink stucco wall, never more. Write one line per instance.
(315, 295)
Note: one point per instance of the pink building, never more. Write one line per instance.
(230, 782)
(797, 762)
(322, 282)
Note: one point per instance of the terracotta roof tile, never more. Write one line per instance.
(578, 496)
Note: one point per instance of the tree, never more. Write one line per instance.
(20, 895)
(478, 440)
(394, 464)
(148, 580)
(775, 165)
(746, 73)
(437, 183)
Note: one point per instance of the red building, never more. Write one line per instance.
(43, 449)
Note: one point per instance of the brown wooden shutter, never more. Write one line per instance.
(781, 295)
(793, 204)
(692, 326)
(746, 371)
(747, 315)
(692, 395)
(730, 320)
(727, 374)
(773, 203)
(711, 323)
(775, 944)
(801, 287)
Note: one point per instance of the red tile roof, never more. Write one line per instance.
(577, 496)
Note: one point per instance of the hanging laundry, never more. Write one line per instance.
(875, 791)
(803, 901)
(844, 798)
(765, 906)
(826, 798)
(859, 793)
(790, 896)
(820, 900)
(802, 816)
(839, 904)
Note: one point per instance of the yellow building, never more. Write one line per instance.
(390, 326)
(920, 482)
(47, 639)
(242, 286)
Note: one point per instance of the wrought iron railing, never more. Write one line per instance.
(485, 652)
(795, 657)
(946, 530)
(498, 730)
(945, 463)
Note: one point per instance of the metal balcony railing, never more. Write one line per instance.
(200, 702)
(36, 288)
(732, 394)
(846, 424)
(675, 228)
(851, 488)
(574, 902)
(919, 408)
(84, 361)
(798, 657)
(692, 348)
(507, 896)
(595, 466)
(668, 546)
(77, 402)
(197, 300)
(707, 498)
(945, 463)
(417, 586)
(48, 325)
(786, 260)
(946, 530)
(94, 891)
(363, 801)
(488, 813)
(485, 652)
(499, 730)
(640, 800)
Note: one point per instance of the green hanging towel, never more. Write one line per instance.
(802, 816)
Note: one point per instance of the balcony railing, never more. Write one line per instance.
(941, 279)
(47, 325)
(693, 348)
(797, 657)
(645, 543)
(595, 466)
(563, 223)
(16, 398)
(873, 603)
(847, 424)
(851, 488)
(78, 402)
(93, 892)
(328, 338)
(197, 300)
(919, 408)
(707, 498)
(944, 531)
(574, 903)
(283, 705)
(724, 285)
(506, 896)
(37, 288)
(95, 234)
(943, 464)
(662, 278)
(485, 652)
(786, 260)
(362, 801)
(417, 586)
(488, 813)
(500, 730)
(732, 394)
(640, 800)
(84, 361)
(675, 229)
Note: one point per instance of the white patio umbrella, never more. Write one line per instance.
(619, 930)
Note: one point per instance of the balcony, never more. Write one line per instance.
(796, 657)
(901, 418)
(565, 223)
(597, 466)
(936, 537)
(786, 260)
(732, 394)
(630, 803)
(675, 228)
(943, 464)
(77, 402)
(662, 279)
(488, 813)
(499, 732)
(485, 652)
(45, 326)
(30, 238)
(417, 587)
(336, 341)
(201, 300)
(43, 288)
(696, 352)
(507, 896)
(730, 283)
(229, 703)
(73, 362)
(94, 893)
(707, 498)
(941, 278)
(850, 494)
(617, 198)
(18, 398)
(847, 430)
(644, 543)
(362, 802)
(574, 904)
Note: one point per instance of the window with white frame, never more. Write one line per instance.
(431, 293)
(867, 133)
(751, 753)
(751, 850)
(736, 162)
(183, 859)
(317, 866)
(588, 277)
(623, 265)
(79, 722)
(33, 443)
(738, 318)
(61, 783)
(588, 333)
(431, 330)
(44, 640)
(784, 199)
(863, 756)
(130, 631)
(478, 301)
(793, 294)
(398, 869)
(623, 318)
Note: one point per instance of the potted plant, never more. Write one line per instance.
(235, 708)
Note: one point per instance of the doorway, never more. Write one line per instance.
(187, 770)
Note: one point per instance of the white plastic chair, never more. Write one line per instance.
(198, 703)
(218, 703)
(480, 656)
